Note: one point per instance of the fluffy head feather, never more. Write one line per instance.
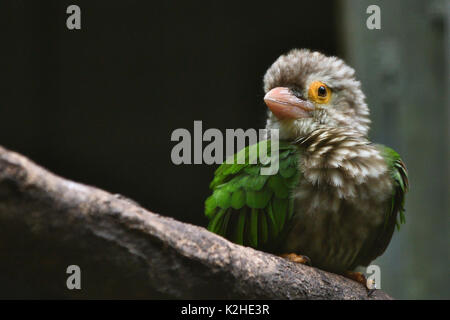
(297, 70)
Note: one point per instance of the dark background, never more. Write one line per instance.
(98, 105)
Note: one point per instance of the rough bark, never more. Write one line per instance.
(124, 251)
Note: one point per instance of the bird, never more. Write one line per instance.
(337, 197)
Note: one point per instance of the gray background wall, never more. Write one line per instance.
(404, 69)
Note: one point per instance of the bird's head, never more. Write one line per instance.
(307, 90)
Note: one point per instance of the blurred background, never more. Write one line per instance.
(98, 105)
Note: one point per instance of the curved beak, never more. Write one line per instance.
(285, 105)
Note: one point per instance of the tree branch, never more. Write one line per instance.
(124, 251)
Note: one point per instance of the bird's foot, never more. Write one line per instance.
(298, 258)
(359, 277)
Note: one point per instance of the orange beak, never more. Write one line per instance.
(285, 105)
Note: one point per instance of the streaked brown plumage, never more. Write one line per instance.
(336, 196)
(345, 187)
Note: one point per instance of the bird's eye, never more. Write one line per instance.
(319, 92)
(322, 91)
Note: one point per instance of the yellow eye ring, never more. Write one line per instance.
(319, 92)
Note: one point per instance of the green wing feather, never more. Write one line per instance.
(247, 207)
(399, 175)
(395, 210)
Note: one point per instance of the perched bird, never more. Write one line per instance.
(336, 197)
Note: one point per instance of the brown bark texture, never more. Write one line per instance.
(48, 223)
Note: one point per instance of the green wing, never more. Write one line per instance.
(395, 211)
(247, 207)
(400, 177)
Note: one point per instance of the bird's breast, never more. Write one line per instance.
(341, 198)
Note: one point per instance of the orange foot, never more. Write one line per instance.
(298, 258)
(359, 277)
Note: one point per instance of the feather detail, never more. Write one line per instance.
(250, 208)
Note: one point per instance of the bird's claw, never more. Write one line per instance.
(359, 277)
(297, 258)
(370, 286)
(370, 291)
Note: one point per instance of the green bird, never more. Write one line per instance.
(336, 197)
